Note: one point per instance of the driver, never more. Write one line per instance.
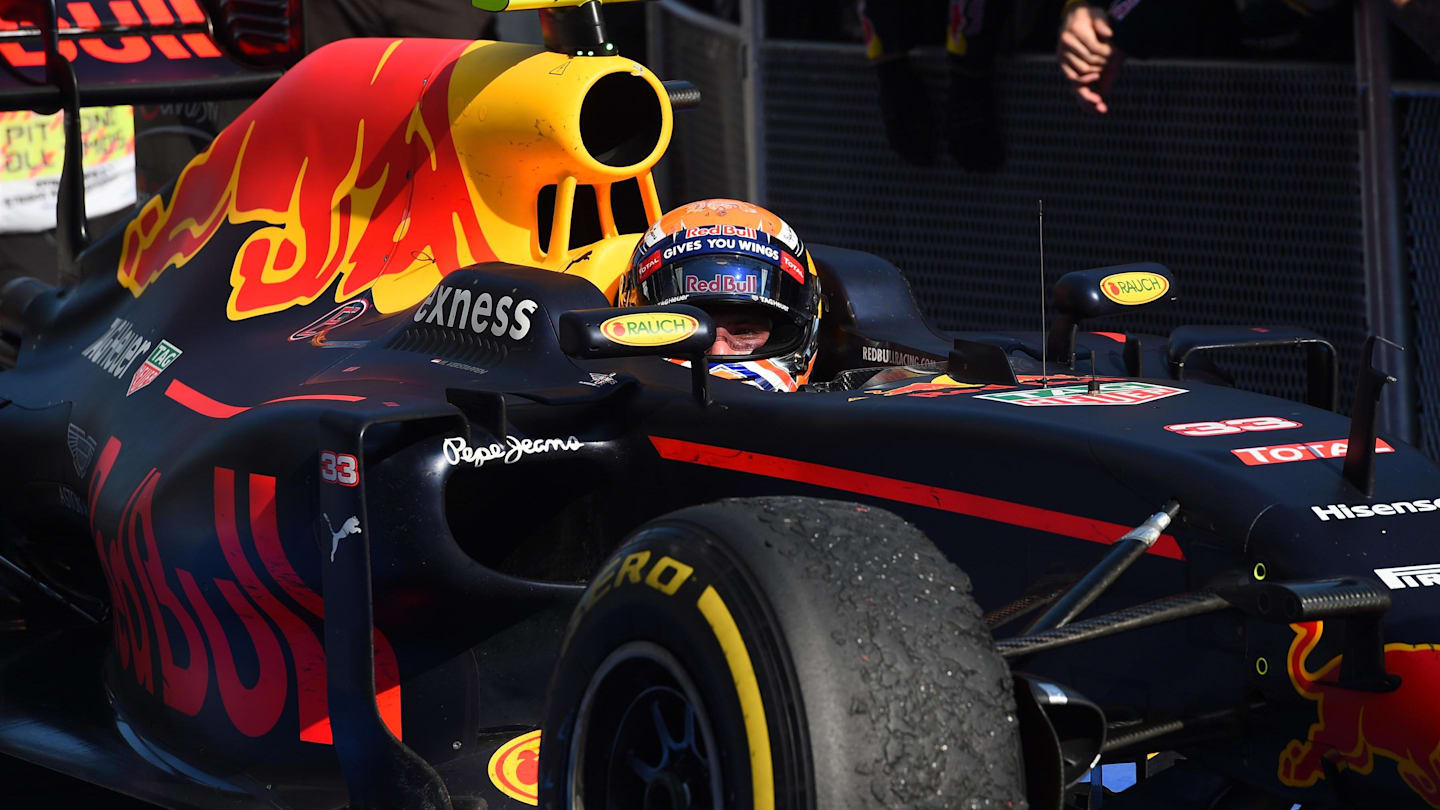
(749, 271)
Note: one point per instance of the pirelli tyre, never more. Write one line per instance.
(785, 653)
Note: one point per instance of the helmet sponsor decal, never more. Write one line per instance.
(1228, 426)
(649, 328)
(1306, 451)
(157, 362)
(721, 230)
(1113, 393)
(1409, 576)
(729, 244)
(788, 237)
(515, 768)
(1134, 288)
(459, 308)
(743, 284)
(343, 314)
(794, 268)
(1340, 511)
(650, 265)
(655, 234)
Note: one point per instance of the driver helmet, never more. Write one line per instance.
(745, 267)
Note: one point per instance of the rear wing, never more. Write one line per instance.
(134, 52)
(143, 51)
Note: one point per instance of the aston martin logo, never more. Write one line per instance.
(82, 448)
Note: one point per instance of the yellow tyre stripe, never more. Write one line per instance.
(757, 733)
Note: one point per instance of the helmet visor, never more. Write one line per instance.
(720, 283)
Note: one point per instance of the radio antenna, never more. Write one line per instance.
(1044, 375)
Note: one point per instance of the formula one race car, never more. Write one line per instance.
(335, 478)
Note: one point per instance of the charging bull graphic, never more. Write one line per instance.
(338, 190)
(1354, 727)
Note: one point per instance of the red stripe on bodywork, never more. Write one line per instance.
(199, 403)
(326, 397)
(894, 489)
(215, 409)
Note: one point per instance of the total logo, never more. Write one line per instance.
(1133, 289)
(481, 314)
(1308, 451)
(649, 328)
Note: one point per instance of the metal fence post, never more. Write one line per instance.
(752, 26)
(1387, 287)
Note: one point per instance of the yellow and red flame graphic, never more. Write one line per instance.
(336, 194)
(384, 164)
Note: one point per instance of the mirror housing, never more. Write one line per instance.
(1082, 294)
(600, 334)
(673, 331)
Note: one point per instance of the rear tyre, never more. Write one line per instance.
(785, 653)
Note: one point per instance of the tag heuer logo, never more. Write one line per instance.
(1111, 393)
(158, 361)
(1410, 576)
(82, 447)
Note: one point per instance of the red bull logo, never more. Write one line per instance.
(345, 171)
(1354, 727)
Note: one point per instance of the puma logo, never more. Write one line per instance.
(350, 526)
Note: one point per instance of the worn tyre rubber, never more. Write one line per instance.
(880, 684)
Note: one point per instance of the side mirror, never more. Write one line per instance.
(1101, 291)
(599, 334)
(673, 331)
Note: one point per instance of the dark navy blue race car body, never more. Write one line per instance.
(327, 553)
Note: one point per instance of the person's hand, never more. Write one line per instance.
(1087, 56)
